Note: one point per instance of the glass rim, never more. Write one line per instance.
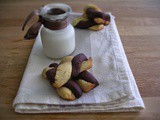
(44, 10)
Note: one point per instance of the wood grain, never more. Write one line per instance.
(138, 23)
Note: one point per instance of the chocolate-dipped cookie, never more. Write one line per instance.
(98, 17)
(70, 91)
(86, 65)
(63, 74)
(51, 74)
(58, 75)
(51, 66)
(70, 77)
(83, 23)
(45, 70)
(80, 63)
(95, 14)
(86, 81)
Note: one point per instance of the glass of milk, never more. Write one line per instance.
(57, 34)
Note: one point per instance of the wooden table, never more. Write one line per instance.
(138, 23)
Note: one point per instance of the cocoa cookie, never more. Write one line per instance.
(86, 81)
(63, 74)
(77, 63)
(70, 91)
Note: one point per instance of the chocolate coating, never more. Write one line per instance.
(53, 65)
(33, 31)
(85, 75)
(73, 86)
(54, 25)
(85, 24)
(76, 63)
(51, 74)
(91, 13)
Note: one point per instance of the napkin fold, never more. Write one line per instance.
(117, 90)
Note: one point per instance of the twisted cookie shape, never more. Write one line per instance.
(70, 77)
(93, 19)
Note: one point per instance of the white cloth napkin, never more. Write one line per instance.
(117, 90)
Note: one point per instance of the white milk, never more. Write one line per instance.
(58, 43)
(57, 34)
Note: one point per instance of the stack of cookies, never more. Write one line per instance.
(70, 77)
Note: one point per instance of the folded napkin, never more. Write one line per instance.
(117, 90)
